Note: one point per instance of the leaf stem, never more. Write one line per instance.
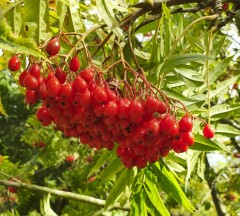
(207, 72)
(211, 17)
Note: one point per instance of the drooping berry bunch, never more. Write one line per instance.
(101, 110)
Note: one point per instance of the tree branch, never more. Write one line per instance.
(214, 193)
(64, 194)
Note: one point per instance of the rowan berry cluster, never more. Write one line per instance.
(87, 105)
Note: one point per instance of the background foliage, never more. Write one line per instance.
(177, 52)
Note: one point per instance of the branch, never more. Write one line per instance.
(214, 193)
(64, 194)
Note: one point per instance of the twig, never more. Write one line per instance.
(64, 194)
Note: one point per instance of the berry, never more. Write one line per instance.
(21, 77)
(61, 75)
(188, 138)
(14, 63)
(66, 91)
(167, 124)
(80, 85)
(100, 95)
(135, 109)
(53, 87)
(31, 97)
(185, 124)
(69, 159)
(12, 189)
(74, 64)
(151, 105)
(30, 82)
(208, 131)
(53, 47)
(153, 127)
(87, 74)
(111, 109)
(35, 70)
(225, 6)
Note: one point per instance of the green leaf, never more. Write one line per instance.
(14, 18)
(114, 166)
(223, 110)
(2, 111)
(192, 158)
(170, 185)
(181, 59)
(18, 45)
(102, 160)
(217, 46)
(154, 197)
(122, 181)
(105, 9)
(191, 75)
(62, 9)
(195, 42)
(69, 15)
(217, 71)
(141, 54)
(176, 95)
(223, 85)
(203, 144)
(36, 17)
(201, 166)
(46, 207)
(227, 130)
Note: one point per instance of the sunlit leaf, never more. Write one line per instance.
(170, 185)
(17, 44)
(2, 111)
(105, 9)
(227, 130)
(204, 144)
(181, 59)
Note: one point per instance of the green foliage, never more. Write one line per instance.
(173, 59)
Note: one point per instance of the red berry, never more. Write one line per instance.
(12, 189)
(53, 87)
(42, 94)
(70, 158)
(141, 162)
(151, 105)
(100, 95)
(153, 127)
(188, 138)
(225, 6)
(162, 107)
(179, 146)
(60, 74)
(66, 91)
(111, 109)
(80, 85)
(208, 131)
(185, 124)
(35, 70)
(135, 109)
(53, 46)
(87, 74)
(167, 124)
(14, 63)
(86, 99)
(74, 64)
(30, 82)
(21, 77)
(31, 97)
(123, 107)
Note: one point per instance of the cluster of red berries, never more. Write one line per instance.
(89, 108)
